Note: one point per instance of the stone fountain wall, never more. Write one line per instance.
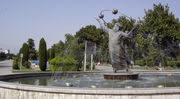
(20, 91)
(6, 93)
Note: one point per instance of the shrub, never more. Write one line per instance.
(63, 64)
(140, 62)
(146, 67)
(173, 63)
(150, 63)
(27, 64)
(15, 64)
(169, 67)
(69, 68)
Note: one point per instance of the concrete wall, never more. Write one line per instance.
(21, 91)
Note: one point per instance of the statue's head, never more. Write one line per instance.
(117, 27)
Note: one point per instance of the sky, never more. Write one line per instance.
(52, 19)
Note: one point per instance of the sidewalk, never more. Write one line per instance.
(6, 67)
(103, 68)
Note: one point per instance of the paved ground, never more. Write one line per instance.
(6, 67)
(104, 68)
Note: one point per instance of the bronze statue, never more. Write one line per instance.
(119, 58)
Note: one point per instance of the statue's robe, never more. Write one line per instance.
(117, 51)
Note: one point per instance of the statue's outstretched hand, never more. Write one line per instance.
(97, 19)
(136, 25)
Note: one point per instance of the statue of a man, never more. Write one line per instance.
(119, 58)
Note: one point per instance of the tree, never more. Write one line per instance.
(32, 51)
(42, 55)
(2, 55)
(25, 52)
(161, 26)
(59, 48)
(90, 33)
(31, 43)
(159, 33)
(68, 43)
(52, 53)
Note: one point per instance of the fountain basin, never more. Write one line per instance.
(121, 76)
(10, 90)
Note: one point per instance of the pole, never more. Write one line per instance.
(21, 64)
(21, 55)
(91, 61)
(177, 55)
(85, 56)
(177, 60)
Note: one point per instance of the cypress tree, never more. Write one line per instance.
(42, 55)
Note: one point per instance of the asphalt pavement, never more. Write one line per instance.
(6, 67)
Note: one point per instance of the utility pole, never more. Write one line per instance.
(91, 61)
(85, 56)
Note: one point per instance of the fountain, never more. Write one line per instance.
(123, 83)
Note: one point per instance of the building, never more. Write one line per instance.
(6, 51)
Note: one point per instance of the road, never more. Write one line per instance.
(6, 67)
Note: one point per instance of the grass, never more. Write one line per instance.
(152, 68)
(28, 70)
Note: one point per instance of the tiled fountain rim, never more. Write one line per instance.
(88, 91)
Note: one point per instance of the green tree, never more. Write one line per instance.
(32, 51)
(52, 53)
(68, 43)
(42, 55)
(161, 26)
(59, 48)
(90, 33)
(25, 52)
(159, 33)
(74, 49)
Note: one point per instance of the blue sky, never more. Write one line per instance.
(52, 19)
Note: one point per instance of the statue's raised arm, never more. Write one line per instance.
(103, 25)
(129, 34)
